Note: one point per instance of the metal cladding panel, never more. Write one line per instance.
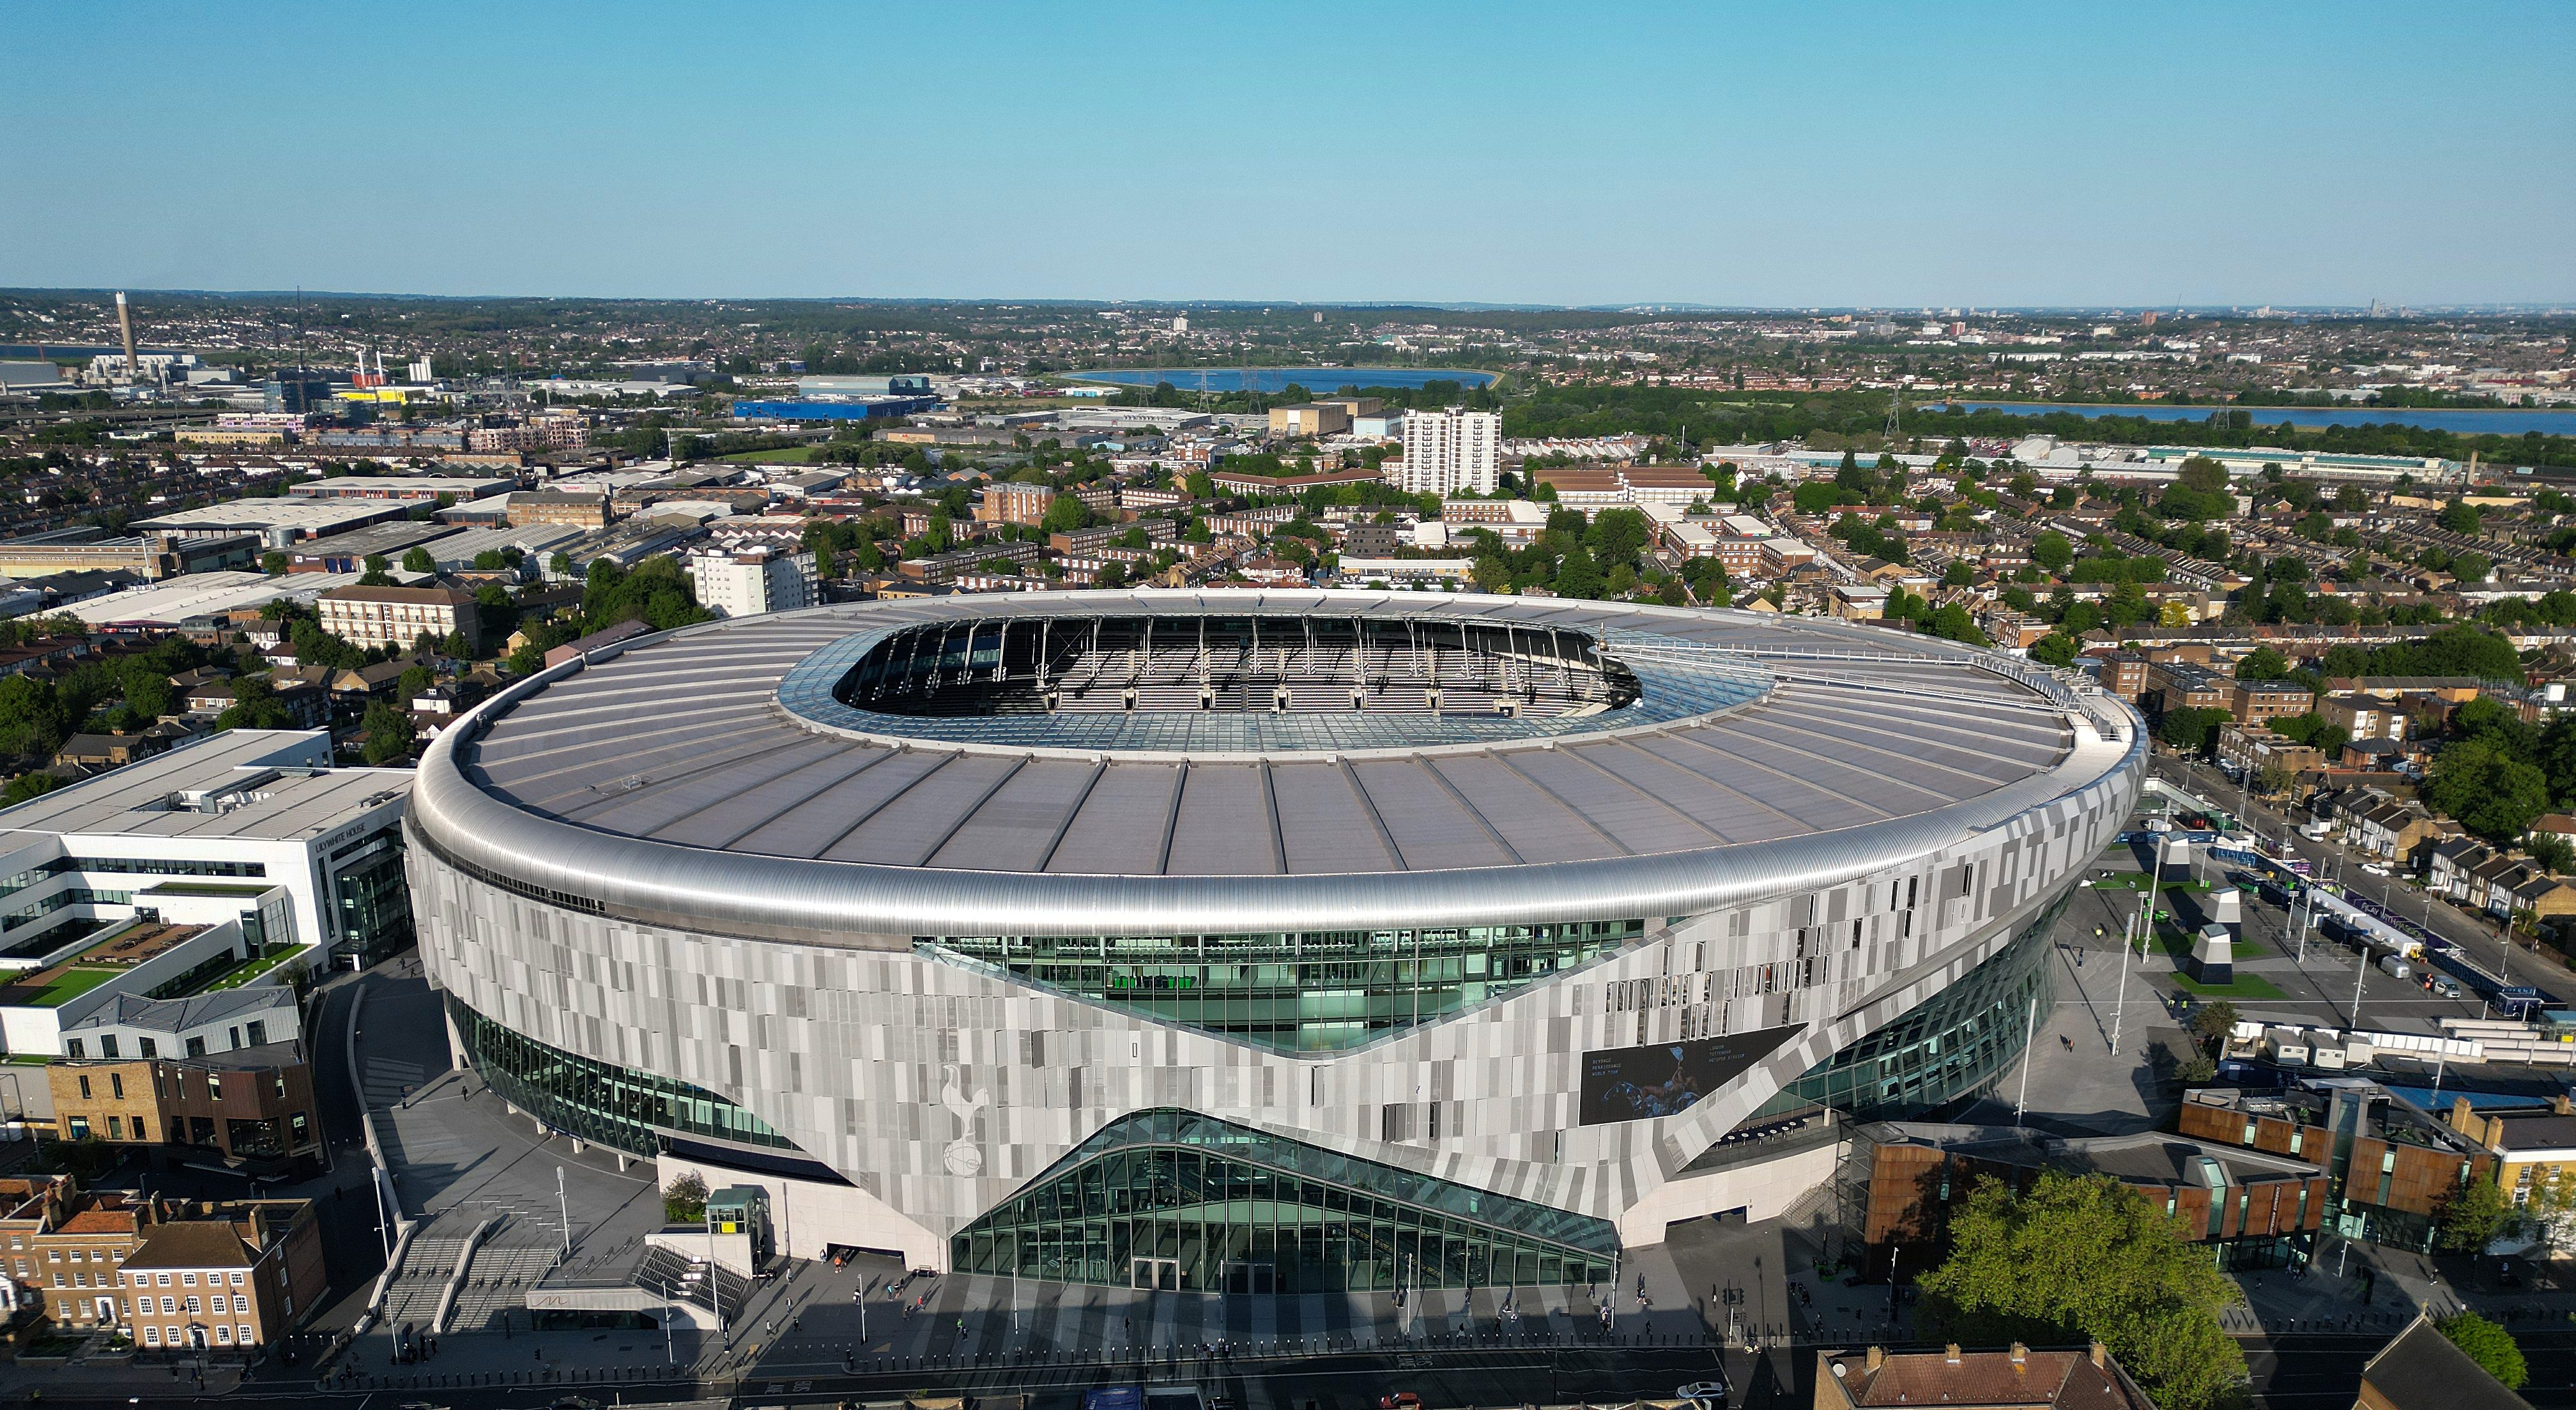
(1877, 750)
(824, 763)
(1324, 823)
(913, 823)
(1225, 824)
(1122, 826)
(1726, 814)
(810, 828)
(1019, 824)
(1869, 785)
(580, 778)
(1538, 827)
(2023, 740)
(1636, 819)
(1994, 759)
(644, 810)
(1816, 809)
(1431, 826)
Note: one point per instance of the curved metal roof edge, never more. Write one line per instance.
(750, 893)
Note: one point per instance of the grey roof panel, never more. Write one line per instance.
(1325, 823)
(1225, 827)
(1018, 826)
(1123, 823)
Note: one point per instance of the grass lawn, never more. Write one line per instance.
(2138, 880)
(776, 455)
(250, 969)
(2243, 986)
(2178, 946)
(76, 981)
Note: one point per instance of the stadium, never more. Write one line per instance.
(1265, 940)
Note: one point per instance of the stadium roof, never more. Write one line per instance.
(671, 780)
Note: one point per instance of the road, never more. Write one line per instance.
(2475, 933)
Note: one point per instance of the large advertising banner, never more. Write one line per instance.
(1666, 1079)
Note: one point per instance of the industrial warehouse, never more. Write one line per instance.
(1254, 940)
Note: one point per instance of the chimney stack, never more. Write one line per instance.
(2020, 1355)
(1950, 1353)
(2099, 1352)
(125, 326)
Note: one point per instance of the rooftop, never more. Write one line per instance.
(269, 785)
(1678, 749)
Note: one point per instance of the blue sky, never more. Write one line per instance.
(1765, 154)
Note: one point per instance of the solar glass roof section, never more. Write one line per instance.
(690, 740)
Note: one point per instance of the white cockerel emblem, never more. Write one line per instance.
(962, 1156)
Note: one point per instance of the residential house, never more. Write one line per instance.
(232, 1276)
(2421, 1369)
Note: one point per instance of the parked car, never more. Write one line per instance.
(1401, 1400)
(1706, 1392)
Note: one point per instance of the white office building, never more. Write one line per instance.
(746, 582)
(1451, 452)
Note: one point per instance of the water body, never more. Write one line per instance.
(1319, 380)
(2507, 422)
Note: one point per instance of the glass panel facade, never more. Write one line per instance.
(1176, 1200)
(1953, 1045)
(597, 1101)
(1297, 992)
(372, 898)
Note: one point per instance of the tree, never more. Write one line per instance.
(2472, 567)
(389, 733)
(1065, 513)
(2552, 850)
(417, 560)
(2459, 516)
(2054, 649)
(2263, 663)
(274, 563)
(684, 1200)
(2489, 1345)
(2211, 1024)
(32, 784)
(2051, 551)
(2473, 1214)
(2083, 1256)
(375, 574)
(255, 706)
(2478, 782)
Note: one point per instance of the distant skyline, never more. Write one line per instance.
(1756, 157)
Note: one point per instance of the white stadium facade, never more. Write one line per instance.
(1263, 940)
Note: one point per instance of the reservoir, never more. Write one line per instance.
(1322, 381)
(2506, 421)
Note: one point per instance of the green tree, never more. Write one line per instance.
(2489, 1345)
(417, 560)
(1065, 513)
(389, 733)
(684, 1200)
(2054, 649)
(274, 563)
(375, 574)
(34, 783)
(2479, 783)
(2263, 663)
(2552, 850)
(2459, 516)
(255, 706)
(2473, 1214)
(2083, 1256)
(2471, 567)
(2051, 551)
